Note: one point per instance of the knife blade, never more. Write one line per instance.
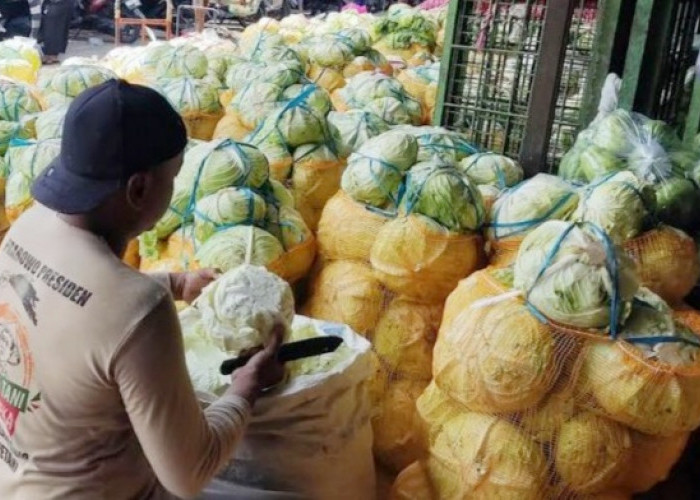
(290, 352)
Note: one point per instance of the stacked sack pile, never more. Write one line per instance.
(225, 210)
(382, 95)
(393, 243)
(560, 377)
(405, 32)
(335, 57)
(421, 83)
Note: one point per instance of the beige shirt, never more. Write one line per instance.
(95, 399)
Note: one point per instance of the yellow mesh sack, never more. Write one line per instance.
(394, 424)
(484, 366)
(18, 69)
(404, 338)
(479, 456)
(14, 211)
(296, 262)
(414, 86)
(417, 259)
(329, 79)
(412, 484)
(356, 66)
(230, 127)
(502, 252)
(477, 286)
(389, 51)
(667, 261)
(346, 230)
(314, 183)
(180, 245)
(347, 292)
(647, 395)
(201, 125)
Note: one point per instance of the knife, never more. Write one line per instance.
(290, 352)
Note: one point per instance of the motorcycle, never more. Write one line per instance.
(98, 15)
(223, 12)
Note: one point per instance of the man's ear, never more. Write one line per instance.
(138, 188)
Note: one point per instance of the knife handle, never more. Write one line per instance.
(231, 365)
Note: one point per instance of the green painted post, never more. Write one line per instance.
(446, 84)
(635, 53)
(606, 27)
(692, 122)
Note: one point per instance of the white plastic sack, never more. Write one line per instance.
(311, 436)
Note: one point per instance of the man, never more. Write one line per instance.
(100, 405)
(50, 25)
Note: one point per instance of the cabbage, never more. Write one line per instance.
(227, 208)
(567, 272)
(227, 249)
(49, 124)
(330, 51)
(13, 130)
(355, 128)
(492, 169)
(296, 123)
(182, 61)
(594, 162)
(288, 226)
(375, 171)
(403, 26)
(281, 74)
(522, 208)
(618, 132)
(192, 96)
(444, 194)
(16, 101)
(365, 87)
(396, 111)
(25, 161)
(71, 81)
(442, 144)
(591, 452)
(256, 101)
(241, 307)
(662, 133)
(312, 95)
(223, 163)
(358, 39)
(323, 363)
(678, 202)
(619, 204)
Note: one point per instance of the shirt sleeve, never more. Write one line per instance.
(163, 279)
(185, 445)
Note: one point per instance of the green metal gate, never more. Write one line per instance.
(523, 77)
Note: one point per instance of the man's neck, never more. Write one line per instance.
(117, 241)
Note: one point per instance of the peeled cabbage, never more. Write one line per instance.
(240, 308)
(192, 96)
(493, 169)
(355, 128)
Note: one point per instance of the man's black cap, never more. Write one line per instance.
(110, 132)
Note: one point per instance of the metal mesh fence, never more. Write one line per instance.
(495, 54)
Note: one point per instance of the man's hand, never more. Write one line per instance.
(262, 371)
(188, 286)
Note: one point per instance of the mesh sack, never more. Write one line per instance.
(413, 483)
(347, 229)
(347, 292)
(394, 423)
(330, 79)
(17, 100)
(198, 103)
(131, 254)
(414, 257)
(230, 127)
(315, 179)
(667, 262)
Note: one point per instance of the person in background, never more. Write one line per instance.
(50, 26)
(98, 404)
(16, 18)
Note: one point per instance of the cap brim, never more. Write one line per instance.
(68, 193)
